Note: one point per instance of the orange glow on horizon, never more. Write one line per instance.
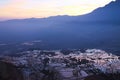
(39, 9)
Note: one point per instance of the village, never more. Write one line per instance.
(65, 65)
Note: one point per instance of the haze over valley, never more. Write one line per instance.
(98, 29)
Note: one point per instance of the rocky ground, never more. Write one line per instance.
(92, 64)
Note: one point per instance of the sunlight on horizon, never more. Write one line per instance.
(17, 9)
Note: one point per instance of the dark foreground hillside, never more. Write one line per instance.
(9, 72)
(91, 64)
(104, 77)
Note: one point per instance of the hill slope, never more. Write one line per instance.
(98, 29)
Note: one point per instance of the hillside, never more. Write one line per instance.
(98, 29)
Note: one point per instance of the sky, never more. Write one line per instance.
(18, 9)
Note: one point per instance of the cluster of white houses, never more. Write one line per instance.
(76, 64)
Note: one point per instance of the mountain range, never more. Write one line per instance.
(98, 29)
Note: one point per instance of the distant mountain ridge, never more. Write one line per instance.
(108, 12)
(98, 29)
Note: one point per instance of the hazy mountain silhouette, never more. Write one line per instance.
(98, 29)
(110, 12)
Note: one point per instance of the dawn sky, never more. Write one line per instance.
(15, 9)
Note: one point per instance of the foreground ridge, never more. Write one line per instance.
(65, 65)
